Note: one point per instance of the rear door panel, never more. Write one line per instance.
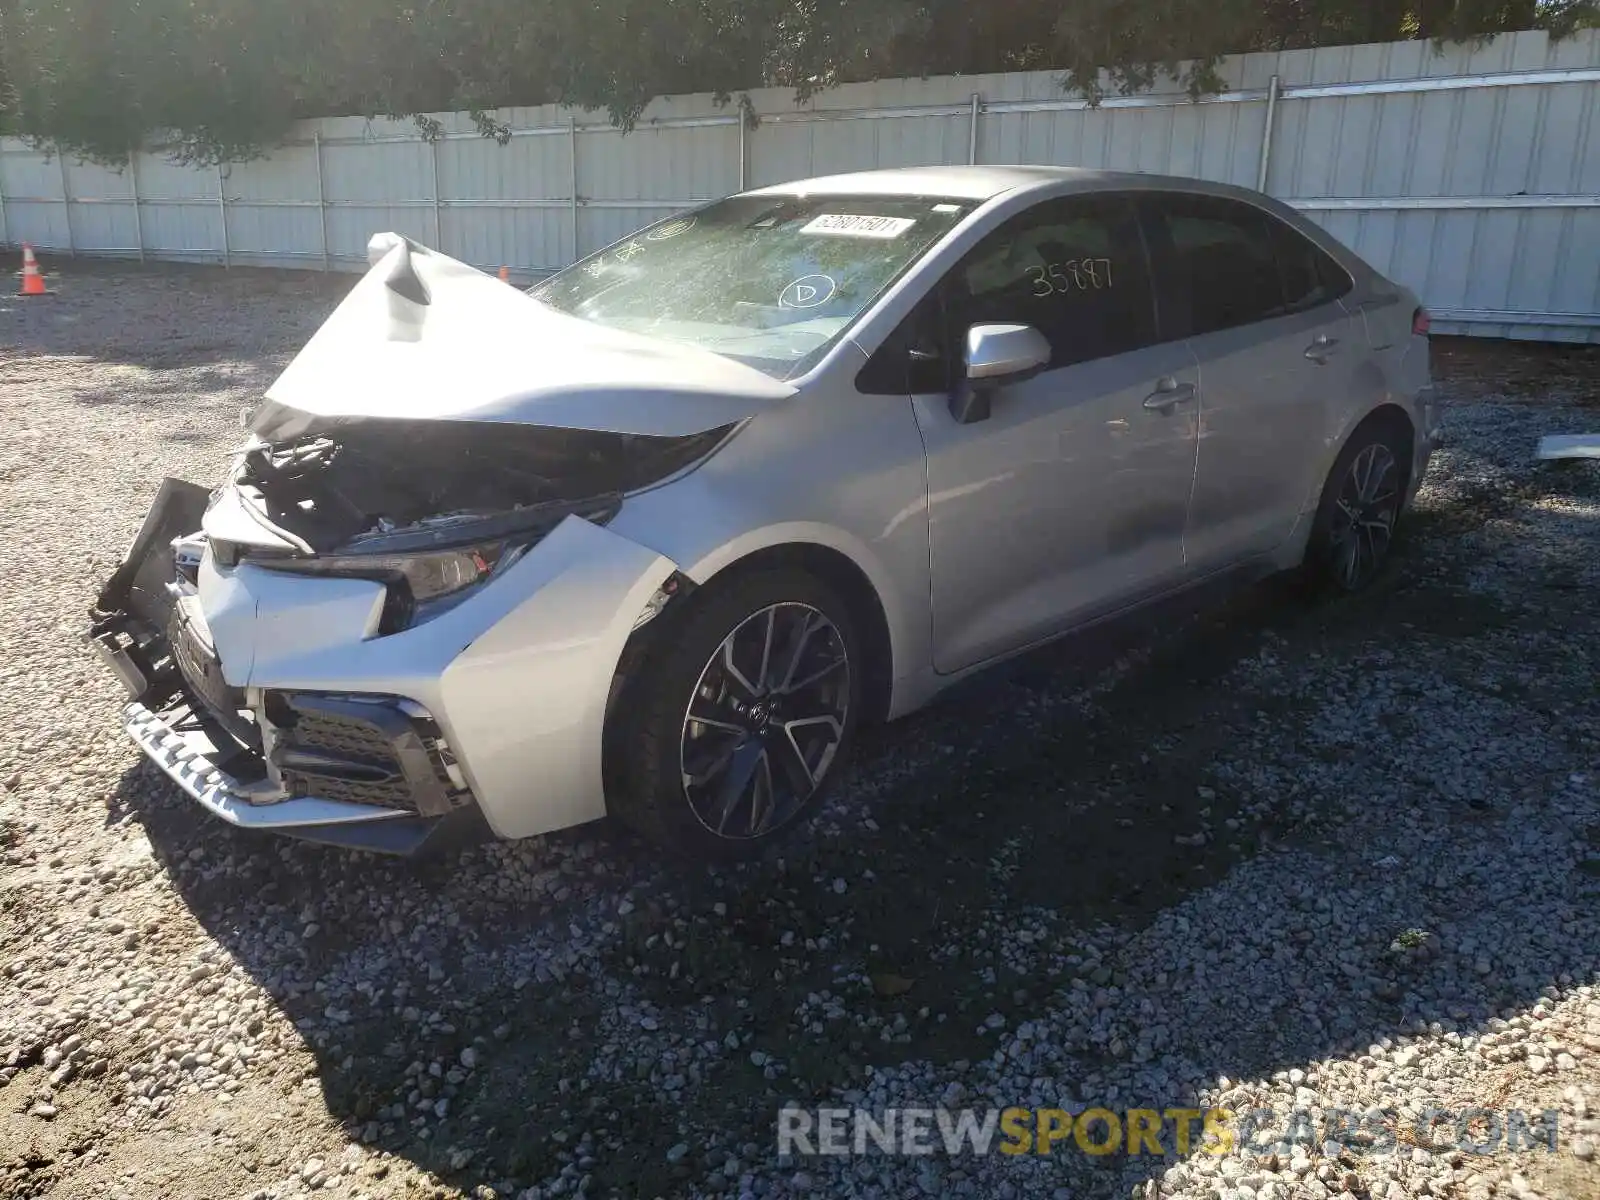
(1264, 410)
(1276, 351)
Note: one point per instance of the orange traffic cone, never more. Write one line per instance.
(32, 280)
(505, 274)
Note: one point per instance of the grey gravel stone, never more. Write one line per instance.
(1434, 778)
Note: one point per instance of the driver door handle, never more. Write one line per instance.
(1169, 394)
(1321, 348)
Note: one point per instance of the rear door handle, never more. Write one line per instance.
(1169, 394)
(1321, 348)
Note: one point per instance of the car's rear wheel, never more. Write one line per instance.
(741, 719)
(1360, 505)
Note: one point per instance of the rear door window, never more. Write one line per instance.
(1310, 277)
(1220, 266)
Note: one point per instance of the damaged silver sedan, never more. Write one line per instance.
(655, 538)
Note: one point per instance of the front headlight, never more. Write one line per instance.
(423, 582)
(418, 587)
(427, 576)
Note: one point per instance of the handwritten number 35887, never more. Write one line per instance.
(1076, 274)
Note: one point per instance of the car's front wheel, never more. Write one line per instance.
(740, 718)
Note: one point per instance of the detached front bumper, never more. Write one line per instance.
(272, 701)
(190, 758)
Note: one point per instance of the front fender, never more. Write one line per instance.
(905, 614)
(834, 469)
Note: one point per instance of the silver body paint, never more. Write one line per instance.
(1072, 501)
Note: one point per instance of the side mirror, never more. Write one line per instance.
(996, 355)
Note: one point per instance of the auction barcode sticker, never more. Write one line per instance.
(854, 225)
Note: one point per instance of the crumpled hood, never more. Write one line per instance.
(423, 336)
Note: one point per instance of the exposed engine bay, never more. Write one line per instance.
(351, 484)
(428, 510)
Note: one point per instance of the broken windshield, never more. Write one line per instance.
(771, 281)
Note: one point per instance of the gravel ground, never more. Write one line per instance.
(1338, 856)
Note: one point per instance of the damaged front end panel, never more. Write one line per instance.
(372, 772)
(431, 511)
(135, 607)
(334, 484)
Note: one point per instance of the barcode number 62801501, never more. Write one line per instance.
(1076, 274)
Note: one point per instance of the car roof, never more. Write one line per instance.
(984, 182)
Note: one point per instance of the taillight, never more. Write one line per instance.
(1421, 322)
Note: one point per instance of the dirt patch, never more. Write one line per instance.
(1526, 372)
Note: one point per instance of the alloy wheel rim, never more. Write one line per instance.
(765, 721)
(1364, 515)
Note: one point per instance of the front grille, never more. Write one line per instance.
(197, 661)
(332, 733)
(363, 751)
(391, 793)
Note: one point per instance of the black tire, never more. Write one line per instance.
(655, 748)
(1360, 506)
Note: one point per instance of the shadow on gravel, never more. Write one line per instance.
(509, 1013)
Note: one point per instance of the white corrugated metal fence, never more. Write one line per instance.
(1471, 175)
